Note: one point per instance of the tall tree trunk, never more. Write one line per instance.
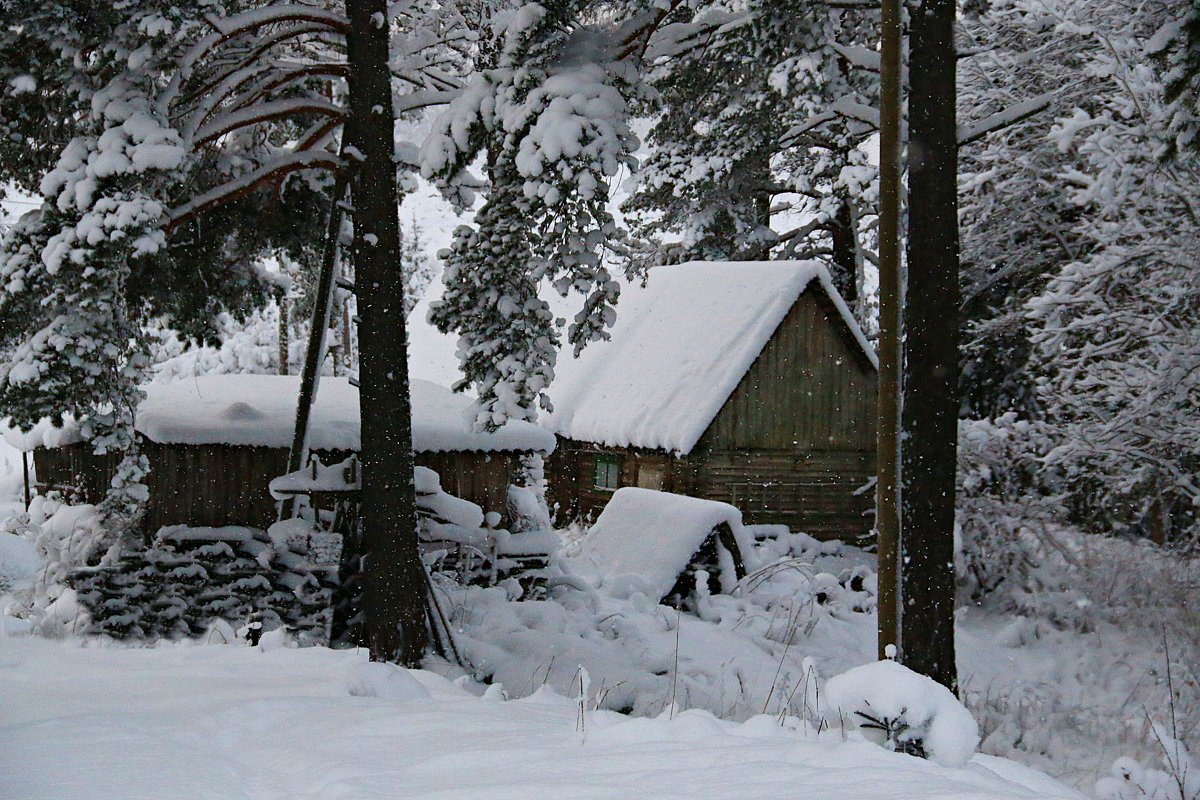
(887, 457)
(929, 419)
(394, 594)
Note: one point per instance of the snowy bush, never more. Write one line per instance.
(66, 537)
(18, 560)
(906, 711)
(1179, 778)
(1007, 509)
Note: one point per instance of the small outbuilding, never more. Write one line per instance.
(748, 383)
(667, 546)
(215, 442)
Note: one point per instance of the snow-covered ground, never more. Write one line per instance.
(1069, 684)
(228, 722)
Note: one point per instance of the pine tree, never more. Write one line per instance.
(726, 167)
(548, 105)
(200, 137)
(929, 412)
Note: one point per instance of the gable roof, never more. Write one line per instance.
(679, 348)
(260, 410)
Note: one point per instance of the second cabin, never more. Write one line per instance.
(215, 443)
(748, 383)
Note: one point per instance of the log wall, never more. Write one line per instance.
(217, 485)
(794, 443)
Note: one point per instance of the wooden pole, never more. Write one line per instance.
(887, 511)
(285, 343)
(315, 352)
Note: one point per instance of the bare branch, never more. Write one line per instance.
(265, 112)
(271, 172)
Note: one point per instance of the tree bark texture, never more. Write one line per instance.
(395, 591)
(929, 417)
(887, 509)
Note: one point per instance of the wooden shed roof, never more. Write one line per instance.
(680, 346)
(260, 410)
(678, 350)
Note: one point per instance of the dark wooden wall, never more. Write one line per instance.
(216, 485)
(793, 444)
(811, 388)
(795, 440)
(570, 473)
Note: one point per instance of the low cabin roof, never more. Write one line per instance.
(260, 410)
(680, 346)
(643, 539)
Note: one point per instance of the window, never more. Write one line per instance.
(608, 471)
(650, 477)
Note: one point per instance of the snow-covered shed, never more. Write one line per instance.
(747, 382)
(659, 544)
(215, 442)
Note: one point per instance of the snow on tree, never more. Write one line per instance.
(156, 136)
(1177, 44)
(727, 168)
(1018, 223)
(548, 105)
(200, 137)
(1117, 332)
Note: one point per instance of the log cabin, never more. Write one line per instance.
(748, 383)
(215, 442)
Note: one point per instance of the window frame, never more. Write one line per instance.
(611, 464)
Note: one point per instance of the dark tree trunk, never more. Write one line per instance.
(844, 271)
(929, 419)
(284, 338)
(887, 465)
(394, 595)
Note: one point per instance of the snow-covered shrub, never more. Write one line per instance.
(18, 560)
(66, 537)
(1007, 509)
(1179, 778)
(904, 710)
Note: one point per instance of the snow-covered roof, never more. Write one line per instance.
(644, 538)
(260, 410)
(680, 346)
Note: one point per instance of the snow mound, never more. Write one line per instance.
(18, 560)
(643, 539)
(913, 707)
(385, 681)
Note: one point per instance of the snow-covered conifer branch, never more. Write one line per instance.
(1015, 113)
